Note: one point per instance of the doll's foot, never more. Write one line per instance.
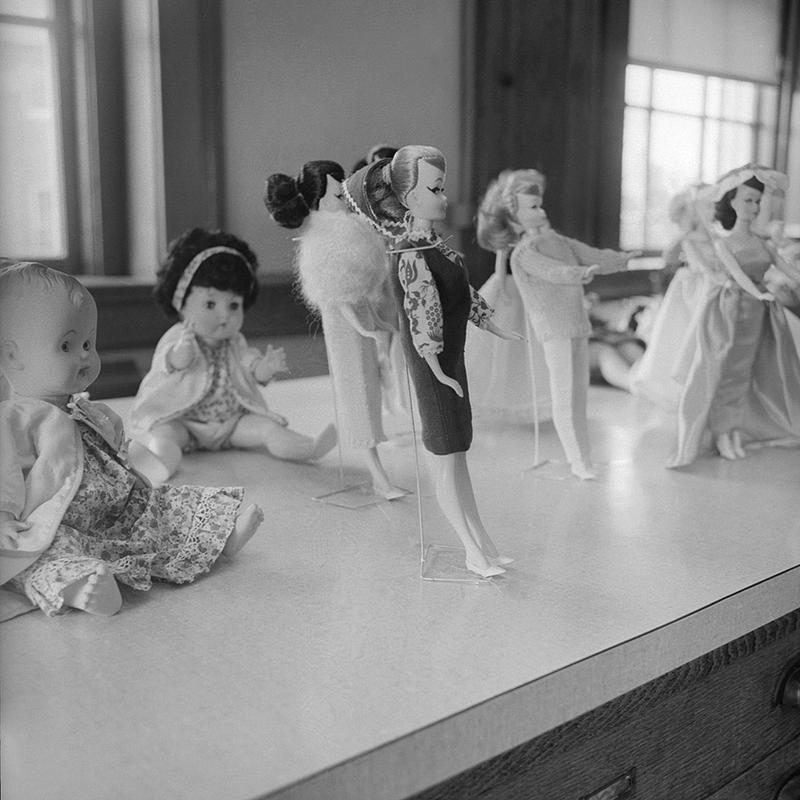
(389, 492)
(485, 572)
(500, 561)
(97, 594)
(247, 524)
(725, 447)
(325, 442)
(738, 448)
(583, 471)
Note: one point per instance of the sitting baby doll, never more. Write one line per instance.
(202, 389)
(75, 518)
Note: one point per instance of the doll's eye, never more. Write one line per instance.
(87, 345)
(235, 305)
(211, 304)
(435, 189)
(65, 347)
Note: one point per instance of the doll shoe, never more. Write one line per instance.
(488, 572)
(500, 561)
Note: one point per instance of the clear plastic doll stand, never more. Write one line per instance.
(542, 466)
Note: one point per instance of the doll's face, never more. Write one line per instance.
(213, 314)
(530, 214)
(50, 351)
(427, 200)
(746, 203)
(332, 199)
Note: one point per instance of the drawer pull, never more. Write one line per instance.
(789, 687)
(790, 790)
(618, 788)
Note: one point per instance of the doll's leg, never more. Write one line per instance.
(448, 495)
(568, 364)
(97, 593)
(167, 442)
(615, 362)
(380, 480)
(254, 431)
(470, 506)
(247, 523)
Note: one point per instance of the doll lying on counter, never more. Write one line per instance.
(75, 518)
(202, 390)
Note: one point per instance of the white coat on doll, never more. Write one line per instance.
(74, 517)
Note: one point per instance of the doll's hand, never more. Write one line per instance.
(282, 421)
(629, 254)
(182, 354)
(453, 384)
(767, 297)
(270, 364)
(510, 336)
(10, 529)
(590, 273)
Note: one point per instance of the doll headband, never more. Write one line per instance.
(771, 178)
(194, 265)
(354, 191)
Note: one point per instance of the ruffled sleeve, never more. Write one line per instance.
(421, 303)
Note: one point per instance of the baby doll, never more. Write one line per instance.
(342, 268)
(550, 271)
(504, 375)
(743, 382)
(74, 517)
(403, 198)
(202, 389)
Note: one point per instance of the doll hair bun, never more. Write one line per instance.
(284, 202)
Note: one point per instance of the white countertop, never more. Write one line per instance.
(319, 665)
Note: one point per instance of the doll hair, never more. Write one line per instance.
(375, 153)
(19, 277)
(290, 200)
(224, 271)
(404, 167)
(497, 223)
(723, 211)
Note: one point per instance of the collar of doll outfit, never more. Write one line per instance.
(186, 278)
(81, 409)
(771, 178)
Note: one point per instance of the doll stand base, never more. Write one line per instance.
(445, 564)
(359, 495)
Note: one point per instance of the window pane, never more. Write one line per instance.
(678, 91)
(711, 155)
(739, 101)
(634, 179)
(35, 9)
(32, 214)
(714, 97)
(637, 85)
(735, 145)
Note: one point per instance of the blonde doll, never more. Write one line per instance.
(202, 390)
(74, 517)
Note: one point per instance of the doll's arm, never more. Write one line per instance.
(606, 260)
(436, 369)
(380, 335)
(265, 367)
(551, 269)
(421, 303)
(737, 273)
(695, 258)
(182, 353)
(10, 529)
(786, 267)
(501, 268)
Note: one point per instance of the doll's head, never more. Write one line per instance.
(203, 267)
(48, 328)
(743, 200)
(290, 200)
(498, 223)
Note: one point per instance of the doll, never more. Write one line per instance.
(743, 380)
(342, 270)
(403, 198)
(202, 390)
(550, 271)
(697, 269)
(74, 517)
(504, 374)
(375, 153)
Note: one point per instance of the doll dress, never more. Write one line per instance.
(168, 533)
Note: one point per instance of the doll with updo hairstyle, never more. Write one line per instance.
(342, 272)
(743, 372)
(550, 271)
(504, 374)
(75, 518)
(202, 391)
(403, 198)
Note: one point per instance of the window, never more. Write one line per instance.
(34, 134)
(681, 128)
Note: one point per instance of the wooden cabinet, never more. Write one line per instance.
(713, 728)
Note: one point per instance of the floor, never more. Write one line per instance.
(321, 643)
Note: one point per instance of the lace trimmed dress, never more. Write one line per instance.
(431, 286)
(169, 533)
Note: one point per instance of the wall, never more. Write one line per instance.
(308, 79)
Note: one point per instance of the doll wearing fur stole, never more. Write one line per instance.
(342, 269)
(74, 517)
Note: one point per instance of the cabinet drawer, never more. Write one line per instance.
(685, 734)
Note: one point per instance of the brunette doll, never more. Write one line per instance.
(403, 198)
(550, 271)
(202, 390)
(743, 383)
(343, 270)
(75, 518)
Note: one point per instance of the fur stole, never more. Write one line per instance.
(340, 259)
